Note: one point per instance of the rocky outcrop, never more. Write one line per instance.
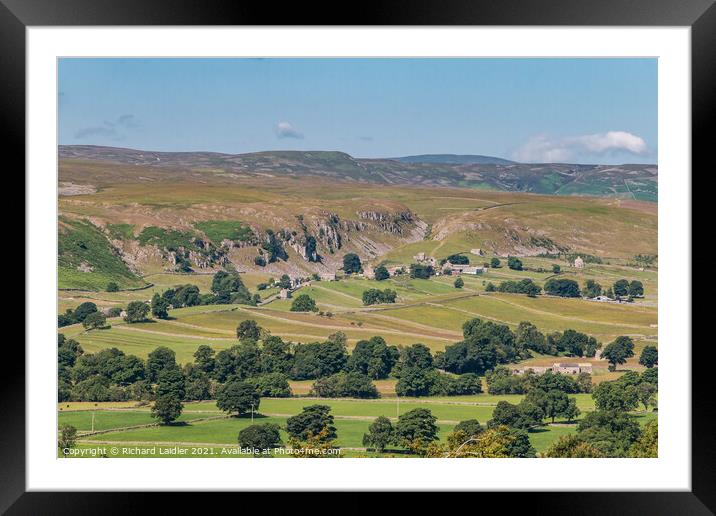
(395, 223)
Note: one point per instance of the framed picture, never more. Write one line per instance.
(441, 248)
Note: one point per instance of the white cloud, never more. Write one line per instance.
(287, 130)
(542, 149)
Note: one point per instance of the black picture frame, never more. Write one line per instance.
(700, 15)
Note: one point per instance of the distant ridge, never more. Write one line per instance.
(455, 159)
(627, 181)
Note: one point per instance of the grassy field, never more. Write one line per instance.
(203, 425)
(428, 311)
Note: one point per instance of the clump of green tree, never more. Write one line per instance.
(261, 438)
(304, 303)
(137, 311)
(375, 296)
(523, 286)
(345, 385)
(77, 315)
(501, 381)
(562, 287)
(352, 264)
(458, 259)
(381, 273)
(95, 321)
(514, 263)
(313, 420)
(421, 271)
(649, 356)
(373, 358)
(618, 351)
(496, 442)
(228, 288)
(459, 283)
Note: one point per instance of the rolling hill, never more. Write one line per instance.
(638, 182)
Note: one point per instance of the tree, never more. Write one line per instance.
(67, 439)
(648, 444)
(275, 355)
(553, 403)
(523, 415)
(415, 356)
(615, 396)
(459, 283)
(471, 427)
(636, 289)
(160, 307)
(458, 259)
(490, 287)
(373, 296)
(351, 385)
(495, 263)
(271, 385)
(352, 264)
(572, 447)
(421, 271)
(618, 351)
(171, 382)
(304, 303)
(415, 382)
(260, 261)
(381, 273)
(248, 329)
(162, 358)
(373, 357)
(562, 287)
(610, 432)
(621, 288)
(527, 336)
(649, 356)
(94, 321)
(137, 311)
(284, 281)
(112, 287)
(198, 385)
(238, 397)
(311, 421)
(646, 394)
(84, 310)
(592, 289)
(167, 408)
(204, 358)
(416, 429)
(514, 263)
(556, 269)
(380, 434)
(260, 438)
(229, 288)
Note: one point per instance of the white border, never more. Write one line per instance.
(671, 471)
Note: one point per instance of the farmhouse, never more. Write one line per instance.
(578, 262)
(473, 270)
(328, 276)
(477, 252)
(571, 368)
(457, 268)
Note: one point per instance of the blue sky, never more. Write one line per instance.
(533, 110)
